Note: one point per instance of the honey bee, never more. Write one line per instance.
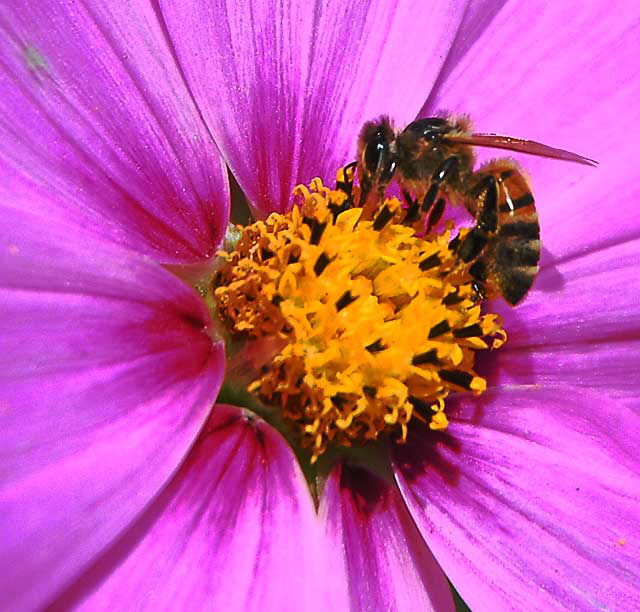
(433, 162)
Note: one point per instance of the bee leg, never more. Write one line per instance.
(488, 217)
(430, 198)
(365, 189)
(480, 290)
(436, 214)
(447, 168)
(479, 271)
(486, 221)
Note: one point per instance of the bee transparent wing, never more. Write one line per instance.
(523, 146)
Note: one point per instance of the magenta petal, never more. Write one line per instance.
(578, 327)
(476, 18)
(530, 499)
(106, 377)
(564, 74)
(100, 126)
(593, 298)
(285, 87)
(234, 530)
(612, 368)
(388, 565)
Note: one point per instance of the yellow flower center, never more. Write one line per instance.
(377, 325)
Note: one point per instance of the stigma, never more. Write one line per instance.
(376, 322)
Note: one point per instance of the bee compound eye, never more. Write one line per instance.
(375, 153)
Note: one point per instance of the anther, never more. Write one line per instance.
(321, 263)
(452, 298)
(456, 377)
(375, 347)
(430, 357)
(336, 209)
(413, 212)
(338, 400)
(317, 229)
(439, 328)
(369, 391)
(293, 258)
(430, 262)
(418, 404)
(266, 253)
(384, 216)
(470, 331)
(345, 300)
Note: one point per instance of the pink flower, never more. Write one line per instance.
(121, 487)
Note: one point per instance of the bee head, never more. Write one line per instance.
(376, 154)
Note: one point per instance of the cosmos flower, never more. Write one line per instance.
(123, 487)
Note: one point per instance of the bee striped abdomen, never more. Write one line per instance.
(516, 261)
(514, 251)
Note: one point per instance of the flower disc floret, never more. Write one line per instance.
(378, 324)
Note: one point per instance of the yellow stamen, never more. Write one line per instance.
(378, 325)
